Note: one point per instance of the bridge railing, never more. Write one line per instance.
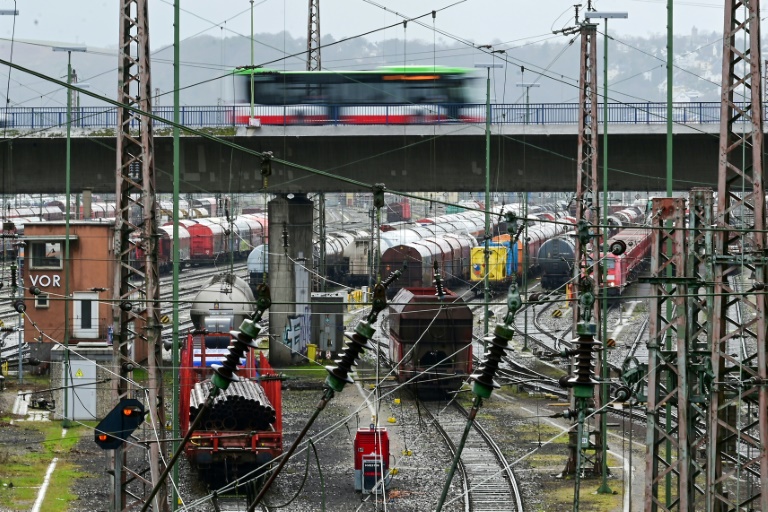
(105, 118)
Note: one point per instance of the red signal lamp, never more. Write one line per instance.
(132, 411)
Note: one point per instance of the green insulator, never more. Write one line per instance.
(504, 331)
(335, 383)
(250, 328)
(219, 381)
(481, 390)
(365, 330)
(580, 391)
(586, 329)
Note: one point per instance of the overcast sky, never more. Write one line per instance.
(95, 22)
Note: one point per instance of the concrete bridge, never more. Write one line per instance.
(437, 157)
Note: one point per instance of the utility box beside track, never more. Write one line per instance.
(371, 460)
(328, 322)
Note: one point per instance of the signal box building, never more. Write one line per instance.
(91, 268)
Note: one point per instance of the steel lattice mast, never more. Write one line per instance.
(587, 276)
(587, 191)
(678, 378)
(313, 64)
(737, 451)
(136, 291)
(313, 36)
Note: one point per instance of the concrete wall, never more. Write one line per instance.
(295, 215)
(538, 158)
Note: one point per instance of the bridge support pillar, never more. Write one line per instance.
(290, 261)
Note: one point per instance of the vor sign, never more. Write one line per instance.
(44, 281)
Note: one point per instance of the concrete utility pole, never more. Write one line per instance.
(737, 440)
(136, 310)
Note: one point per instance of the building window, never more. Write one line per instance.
(46, 255)
(41, 301)
(85, 311)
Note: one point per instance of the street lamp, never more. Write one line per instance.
(589, 15)
(527, 86)
(69, 50)
(487, 290)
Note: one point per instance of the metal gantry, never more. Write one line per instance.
(737, 465)
(136, 309)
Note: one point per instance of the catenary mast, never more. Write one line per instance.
(136, 290)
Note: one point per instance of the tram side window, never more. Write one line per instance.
(359, 92)
(46, 255)
(426, 92)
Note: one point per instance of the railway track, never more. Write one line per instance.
(487, 481)
(224, 503)
(544, 339)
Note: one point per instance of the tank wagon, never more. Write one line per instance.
(225, 295)
(556, 258)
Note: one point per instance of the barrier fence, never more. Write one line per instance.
(222, 116)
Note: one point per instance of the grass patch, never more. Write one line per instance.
(560, 497)
(140, 375)
(532, 433)
(30, 381)
(304, 371)
(22, 474)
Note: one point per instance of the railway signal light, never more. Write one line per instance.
(119, 423)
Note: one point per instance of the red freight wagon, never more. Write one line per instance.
(208, 241)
